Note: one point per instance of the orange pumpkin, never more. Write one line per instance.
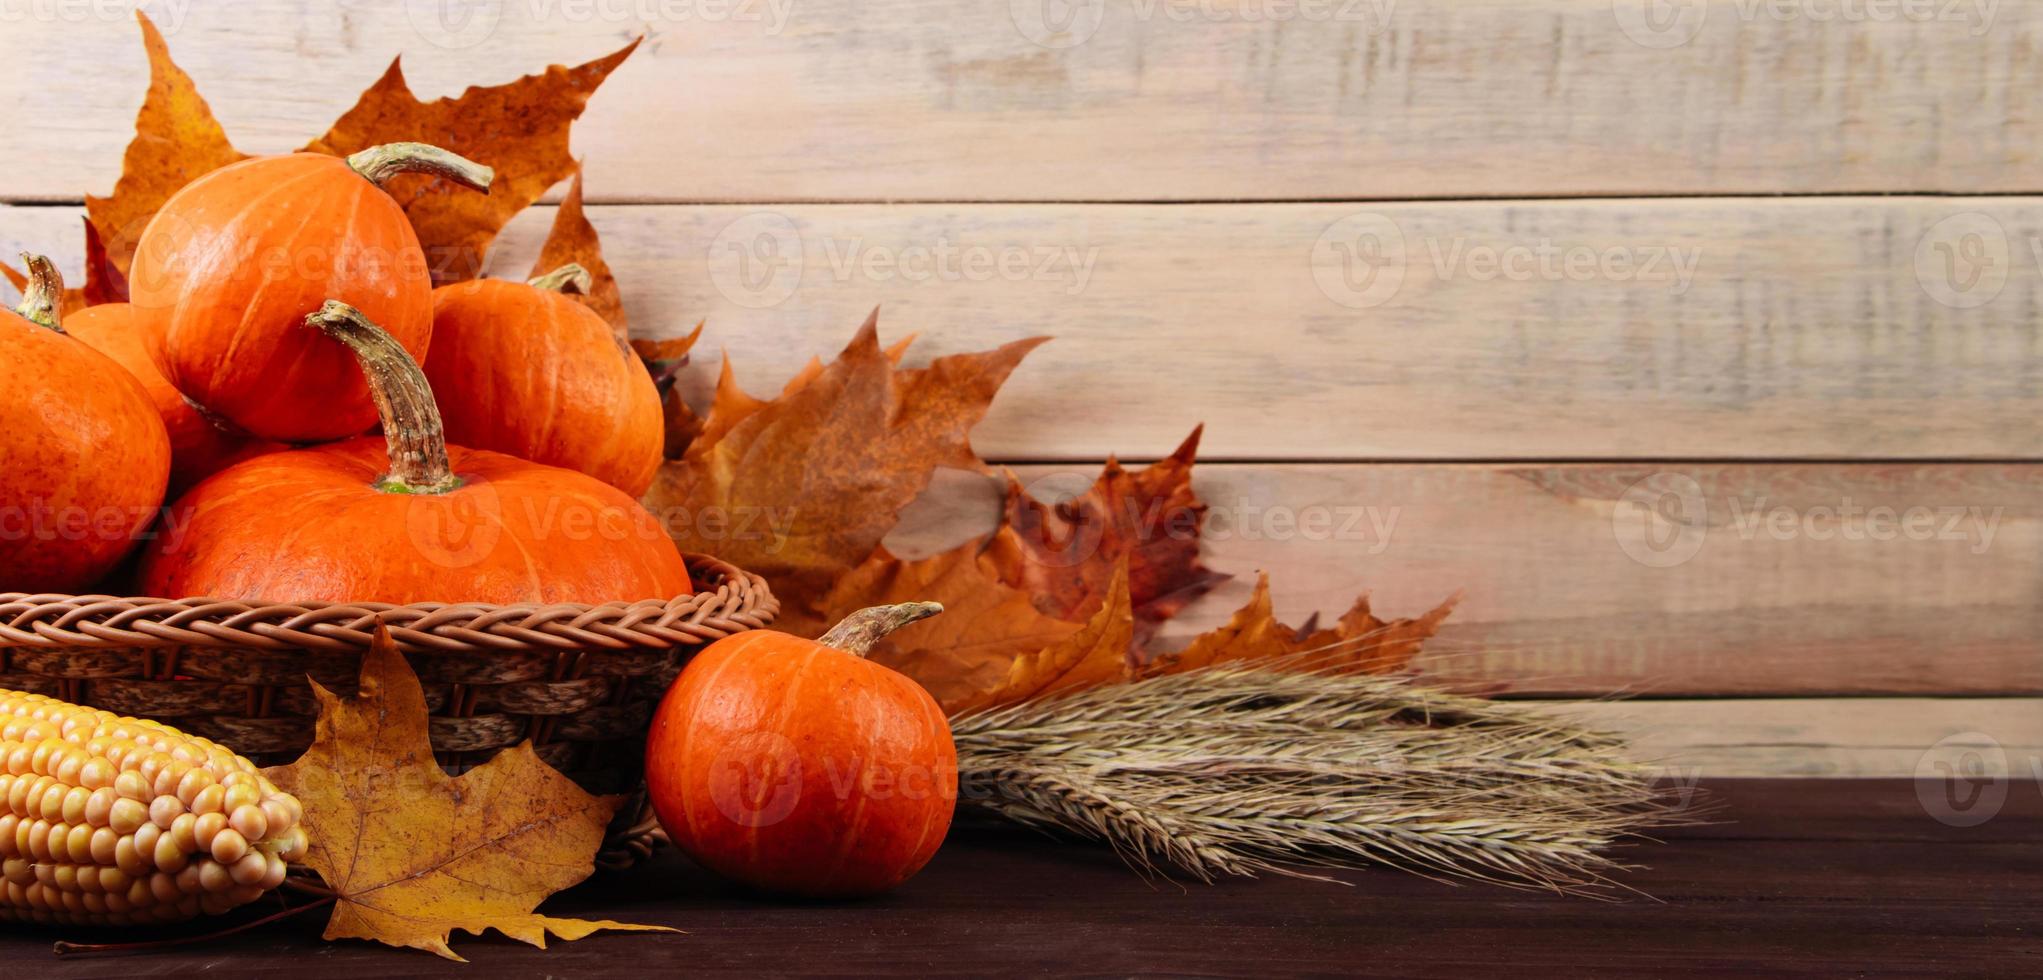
(83, 456)
(524, 369)
(227, 271)
(407, 518)
(797, 766)
(199, 447)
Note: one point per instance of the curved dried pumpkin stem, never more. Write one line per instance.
(42, 301)
(858, 632)
(411, 419)
(571, 279)
(380, 163)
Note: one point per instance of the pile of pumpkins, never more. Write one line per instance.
(279, 309)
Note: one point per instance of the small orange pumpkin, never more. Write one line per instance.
(227, 270)
(199, 447)
(406, 518)
(524, 369)
(799, 767)
(83, 455)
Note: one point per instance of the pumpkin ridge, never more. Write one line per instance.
(688, 734)
(255, 304)
(784, 711)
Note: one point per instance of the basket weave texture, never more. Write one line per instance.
(579, 681)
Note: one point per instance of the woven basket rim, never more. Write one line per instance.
(739, 601)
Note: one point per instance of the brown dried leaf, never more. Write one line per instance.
(520, 128)
(1358, 643)
(803, 488)
(671, 352)
(1066, 555)
(990, 646)
(413, 853)
(177, 141)
(573, 239)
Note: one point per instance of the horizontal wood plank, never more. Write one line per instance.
(999, 902)
(1832, 328)
(774, 100)
(1660, 580)
(1935, 739)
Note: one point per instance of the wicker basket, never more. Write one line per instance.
(579, 681)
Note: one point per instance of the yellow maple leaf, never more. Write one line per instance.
(412, 853)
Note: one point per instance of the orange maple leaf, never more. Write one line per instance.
(411, 853)
(519, 128)
(804, 487)
(1358, 642)
(574, 240)
(1066, 554)
(991, 646)
(177, 141)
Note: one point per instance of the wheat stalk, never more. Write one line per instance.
(1241, 770)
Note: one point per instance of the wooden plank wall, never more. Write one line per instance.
(1697, 344)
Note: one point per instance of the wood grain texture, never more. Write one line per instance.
(1800, 329)
(1928, 738)
(1883, 890)
(1673, 579)
(776, 100)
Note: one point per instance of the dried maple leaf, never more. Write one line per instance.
(574, 240)
(1066, 554)
(1359, 642)
(412, 853)
(667, 354)
(519, 128)
(804, 487)
(177, 141)
(991, 646)
(665, 359)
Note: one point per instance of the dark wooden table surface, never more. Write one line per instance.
(1818, 878)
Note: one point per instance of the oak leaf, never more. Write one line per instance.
(804, 487)
(412, 853)
(177, 141)
(519, 128)
(1066, 554)
(991, 646)
(1359, 642)
(574, 239)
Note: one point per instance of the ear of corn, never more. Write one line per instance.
(106, 820)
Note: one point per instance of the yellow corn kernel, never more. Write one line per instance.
(107, 820)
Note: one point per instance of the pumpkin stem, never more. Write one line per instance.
(857, 633)
(380, 163)
(42, 299)
(571, 279)
(411, 420)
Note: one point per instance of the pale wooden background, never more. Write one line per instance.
(1194, 180)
